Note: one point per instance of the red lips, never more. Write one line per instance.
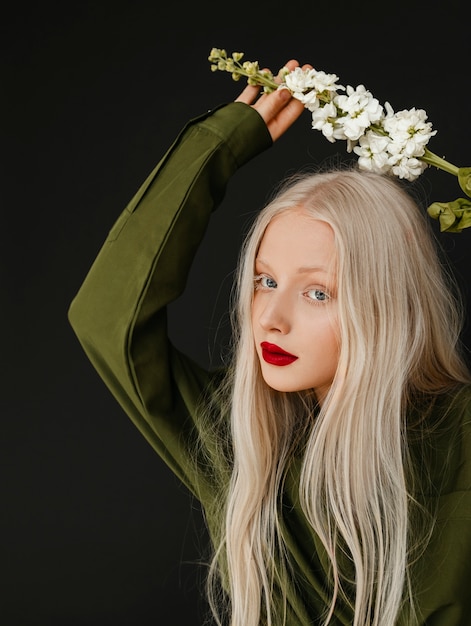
(275, 355)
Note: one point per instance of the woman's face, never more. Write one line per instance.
(294, 311)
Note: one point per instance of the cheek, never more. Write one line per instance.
(255, 311)
(333, 338)
(324, 337)
(334, 349)
(253, 314)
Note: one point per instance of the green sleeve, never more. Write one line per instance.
(444, 571)
(119, 313)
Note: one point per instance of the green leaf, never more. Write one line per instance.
(464, 179)
(453, 216)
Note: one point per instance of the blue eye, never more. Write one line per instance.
(317, 295)
(264, 282)
(267, 282)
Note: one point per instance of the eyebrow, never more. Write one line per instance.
(305, 269)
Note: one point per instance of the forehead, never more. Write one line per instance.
(296, 237)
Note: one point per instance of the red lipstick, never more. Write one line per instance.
(275, 355)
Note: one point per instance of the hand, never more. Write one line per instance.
(278, 109)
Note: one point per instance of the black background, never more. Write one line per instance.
(94, 529)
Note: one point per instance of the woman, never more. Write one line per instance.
(338, 437)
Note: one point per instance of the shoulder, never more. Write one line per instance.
(440, 443)
(455, 414)
(454, 469)
(461, 407)
(451, 410)
(454, 439)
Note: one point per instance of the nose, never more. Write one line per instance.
(274, 313)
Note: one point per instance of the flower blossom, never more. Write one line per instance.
(299, 81)
(409, 131)
(409, 168)
(311, 87)
(372, 152)
(303, 80)
(325, 119)
(326, 82)
(388, 143)
(360, 110)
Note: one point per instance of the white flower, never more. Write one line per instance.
(361, 111)
(372, 152)
(306, 85)
(384, 141)
(299, 81)
(409, 131)
(408, 168)
(326, 82)
(310, 100)
(325, 119)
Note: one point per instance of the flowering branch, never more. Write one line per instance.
(388, 142)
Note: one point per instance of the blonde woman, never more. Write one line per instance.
(332, 456)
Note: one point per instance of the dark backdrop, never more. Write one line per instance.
(94, 529)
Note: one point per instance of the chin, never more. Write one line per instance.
(283, 386)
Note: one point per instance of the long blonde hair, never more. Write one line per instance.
(400, 322)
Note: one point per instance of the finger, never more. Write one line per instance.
(249, 94)
(292, 64)
(270, 106)
(287, 116)
(289, 113)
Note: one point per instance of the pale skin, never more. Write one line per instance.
(295, 305)
(278, 109)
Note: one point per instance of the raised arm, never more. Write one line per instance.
(119, 313)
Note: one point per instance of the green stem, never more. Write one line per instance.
(433, 159)
(259, 78)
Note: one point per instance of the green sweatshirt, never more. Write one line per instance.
(119, 316)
